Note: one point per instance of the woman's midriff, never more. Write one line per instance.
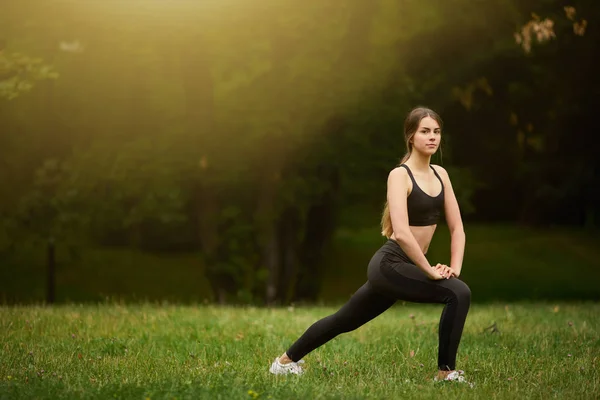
(422, 234)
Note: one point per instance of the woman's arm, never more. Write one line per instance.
(454, 221)
(396, 194)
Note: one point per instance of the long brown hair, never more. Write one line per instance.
(411, 124)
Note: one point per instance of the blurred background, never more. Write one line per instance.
(237, 151)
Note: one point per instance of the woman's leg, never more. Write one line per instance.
(363, 306)
(407, 282)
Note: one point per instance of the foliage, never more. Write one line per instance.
(532, 262)
(243, 132)
(19, 73)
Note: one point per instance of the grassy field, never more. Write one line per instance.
(113, 351)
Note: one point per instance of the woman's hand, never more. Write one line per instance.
(434, 274)
(445, 271)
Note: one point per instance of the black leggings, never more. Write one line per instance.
(391, 277)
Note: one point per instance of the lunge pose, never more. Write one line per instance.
(417, 193)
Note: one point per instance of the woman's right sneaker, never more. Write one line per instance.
(278, 368)
(455, 376)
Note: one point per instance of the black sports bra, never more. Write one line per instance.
(423, 209)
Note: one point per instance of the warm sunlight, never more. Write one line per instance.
(382, 198)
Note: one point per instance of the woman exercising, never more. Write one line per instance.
(417, 192)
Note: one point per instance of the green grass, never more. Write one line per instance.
(113, 351)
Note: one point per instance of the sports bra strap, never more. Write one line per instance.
(436, 174)
(412, 178)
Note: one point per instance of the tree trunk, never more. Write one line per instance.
(289, 225)
(272, 261)
(273, 167)
(51, 271)
(201, 127)
(320, 221)
(266, 218)
(320, 225)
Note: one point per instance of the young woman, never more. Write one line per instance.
(417, 192)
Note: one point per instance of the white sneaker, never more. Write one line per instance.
(455, 376)
(278, 368)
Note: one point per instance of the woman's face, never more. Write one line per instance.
(426, 139)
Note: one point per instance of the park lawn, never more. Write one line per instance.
(151, 351)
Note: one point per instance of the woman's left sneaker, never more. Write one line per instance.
(278, 368)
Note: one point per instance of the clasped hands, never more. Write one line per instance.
(442, 271)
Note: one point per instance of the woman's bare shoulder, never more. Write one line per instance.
(439, 168)
(398, 172)
(441, 171)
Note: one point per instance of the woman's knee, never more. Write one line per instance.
(461, 291)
